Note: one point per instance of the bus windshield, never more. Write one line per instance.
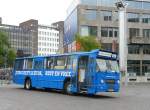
(107, 65)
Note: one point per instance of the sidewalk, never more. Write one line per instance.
(5, 83)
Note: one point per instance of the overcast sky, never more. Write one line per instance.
(46, 11)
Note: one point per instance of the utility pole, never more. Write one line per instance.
(123, 48)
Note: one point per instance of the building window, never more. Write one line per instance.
(106, 3)
(146, 67)
(104, 32)
(146, 33)
(146, 49)
(40, 32)
(84, 31)
(133, 67)
(106, 15)
(115, 16)
(90, 14)
(134, 4)
(93, 30)
(109, 32)
(133, 49)
(133, 17)
(134, 32)
(107, 46)
(89, 2)
(88, 30)
(146, 18)
(39, 43)
(146, 5)
(116, 32)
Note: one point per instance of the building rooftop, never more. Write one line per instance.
(110, 3)
(47, 26)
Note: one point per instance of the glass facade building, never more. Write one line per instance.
(30, 38)
(20, 38)
(100, 18)
(133, 4)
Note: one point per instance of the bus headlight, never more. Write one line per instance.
(102, 81)
(118, 81)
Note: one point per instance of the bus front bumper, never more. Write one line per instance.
(108, 88)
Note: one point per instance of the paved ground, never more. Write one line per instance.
(133, 97)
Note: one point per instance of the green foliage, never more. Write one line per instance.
(11, 57)
(7, 55)
(87, 43)
(1, 61)
(3, 43)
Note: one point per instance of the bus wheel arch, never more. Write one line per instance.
(67, 85)
(28, 83)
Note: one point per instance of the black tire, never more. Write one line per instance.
(67, 88)
(28, 84)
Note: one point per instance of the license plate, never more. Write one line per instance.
(110, 90)
(110, 81)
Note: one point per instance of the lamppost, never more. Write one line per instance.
(123, 48)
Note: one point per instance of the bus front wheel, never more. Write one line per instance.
(28, 84)
(67, 88)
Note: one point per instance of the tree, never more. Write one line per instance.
(11, 57)
(87, 43)
(7, 54)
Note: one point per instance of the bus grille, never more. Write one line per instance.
(110, 83)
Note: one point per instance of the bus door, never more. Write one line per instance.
(82, 71)
(91, 72)
(74, 77)
(38, 70)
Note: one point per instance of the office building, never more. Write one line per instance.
(19, 38)
(60, 28)
(48, 40)
(32, 25)
(30, 38)
(100, 18)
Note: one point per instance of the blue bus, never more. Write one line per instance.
(80, 72)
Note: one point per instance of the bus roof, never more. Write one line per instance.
(73, 53)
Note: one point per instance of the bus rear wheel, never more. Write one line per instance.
(67, 88)
(28, 84)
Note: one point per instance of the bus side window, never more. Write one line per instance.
(60, 62)
(69, 62)
(19, 64)
(49, 63)
(39, 64)
(29, 63)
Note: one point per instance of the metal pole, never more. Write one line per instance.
(123, 48)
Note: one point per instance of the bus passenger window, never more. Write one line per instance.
(69, 62)
(19, 64)
(38, 64)
(101, 65)
(60, 62)
(29, 63)
(49, 63)
(74, 64)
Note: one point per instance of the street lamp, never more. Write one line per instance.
(123, 48)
